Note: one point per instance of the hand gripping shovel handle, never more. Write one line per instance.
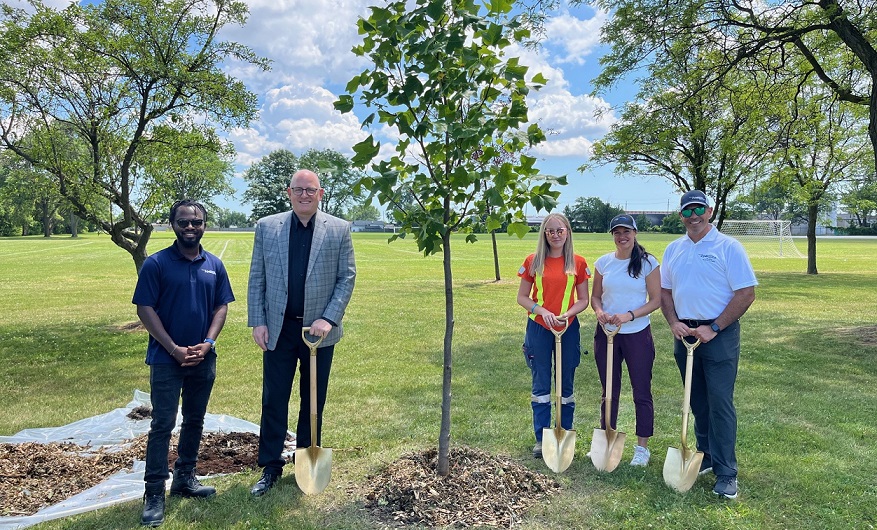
(558, 361)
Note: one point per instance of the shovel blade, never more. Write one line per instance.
(681, 468)
(606, 448)
(313, 469)
(558, 448)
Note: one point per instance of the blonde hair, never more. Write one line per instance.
(542, 248)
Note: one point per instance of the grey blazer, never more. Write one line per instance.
(328, 284)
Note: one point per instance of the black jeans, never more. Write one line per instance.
(170, 382)
(278, 370)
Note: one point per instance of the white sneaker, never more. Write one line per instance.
(641, 456)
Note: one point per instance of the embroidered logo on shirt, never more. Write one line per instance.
(208, 271)
(709, 258)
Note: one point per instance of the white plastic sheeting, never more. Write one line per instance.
(111, 429)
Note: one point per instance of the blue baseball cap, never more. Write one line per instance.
(622, 220)
(693, 197)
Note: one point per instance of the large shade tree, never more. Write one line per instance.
(99, 85)
(437, 77)
(836, 38)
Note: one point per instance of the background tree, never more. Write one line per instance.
(337, 177)
(690, 130)
(837, 39)
(860, 201)
(591, 214)
(363, 212)
(437, 72)
(267, 181)
(226, 218)
(103, 83)
(822, 146)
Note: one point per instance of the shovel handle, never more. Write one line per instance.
(313, 382)
(312, 345)
(557, 334)
(607, 400)
(686, 400)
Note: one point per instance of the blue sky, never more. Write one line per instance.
(309, 43)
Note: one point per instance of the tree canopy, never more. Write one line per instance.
(108, 93)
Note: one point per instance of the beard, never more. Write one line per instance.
(188, 242)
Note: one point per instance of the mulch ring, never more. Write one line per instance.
(35, 475)
(481, 490)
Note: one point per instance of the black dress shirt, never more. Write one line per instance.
(300, 238)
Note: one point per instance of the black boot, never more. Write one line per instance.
(185, 484)
(153, 509)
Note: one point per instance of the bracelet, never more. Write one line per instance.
(533, 309)
(210, 341)
(632, 316)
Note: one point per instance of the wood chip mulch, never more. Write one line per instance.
(481, 490)
(34, 475)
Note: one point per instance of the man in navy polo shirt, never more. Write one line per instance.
(182, 298)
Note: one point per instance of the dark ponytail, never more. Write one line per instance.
(637, 255)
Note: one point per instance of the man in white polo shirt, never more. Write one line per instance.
(707, 283)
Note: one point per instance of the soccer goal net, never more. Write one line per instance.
(764, 238)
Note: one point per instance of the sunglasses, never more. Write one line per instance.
(184, 223)
(552, 232)
(697, 210)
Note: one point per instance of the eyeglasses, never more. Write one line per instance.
(297, 191)
(697, 210)
(552, 232)
(184, 223)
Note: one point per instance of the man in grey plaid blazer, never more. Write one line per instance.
(302, 274)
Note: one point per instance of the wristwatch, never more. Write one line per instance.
(715, 327)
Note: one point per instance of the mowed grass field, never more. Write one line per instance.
(806, 393)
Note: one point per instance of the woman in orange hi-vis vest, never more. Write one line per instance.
(554, 287)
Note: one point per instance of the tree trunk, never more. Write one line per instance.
(74, 225)
(495, 254)
(812, 212)
(443, 466)
(48, 217)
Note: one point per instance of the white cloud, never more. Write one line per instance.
(577, 37)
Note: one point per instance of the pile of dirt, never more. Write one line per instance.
(480, 490)
(34, 475)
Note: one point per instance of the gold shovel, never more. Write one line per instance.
(313, 465)
(558, 444)
(607, 446)
(682, 465)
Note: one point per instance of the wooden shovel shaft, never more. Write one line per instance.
(686, 398)
(610, 361)
(558, 372)
(313, 382)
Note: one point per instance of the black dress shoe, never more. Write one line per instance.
(265, 483)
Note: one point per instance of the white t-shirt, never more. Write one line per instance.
(621, 293)
(704, 275)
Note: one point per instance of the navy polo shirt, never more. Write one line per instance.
(184, 294)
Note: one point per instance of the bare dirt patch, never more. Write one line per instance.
(865, 335)
(34, 475)
(480, 490)
(128, 327)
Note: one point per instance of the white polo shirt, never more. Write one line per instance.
(704, 275)
(621, 293)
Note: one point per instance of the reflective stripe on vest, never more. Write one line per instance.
(567, 293)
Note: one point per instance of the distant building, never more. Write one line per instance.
(372, 226)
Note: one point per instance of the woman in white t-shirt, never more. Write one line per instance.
(627, 288)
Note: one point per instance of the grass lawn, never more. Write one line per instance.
(806, 392)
